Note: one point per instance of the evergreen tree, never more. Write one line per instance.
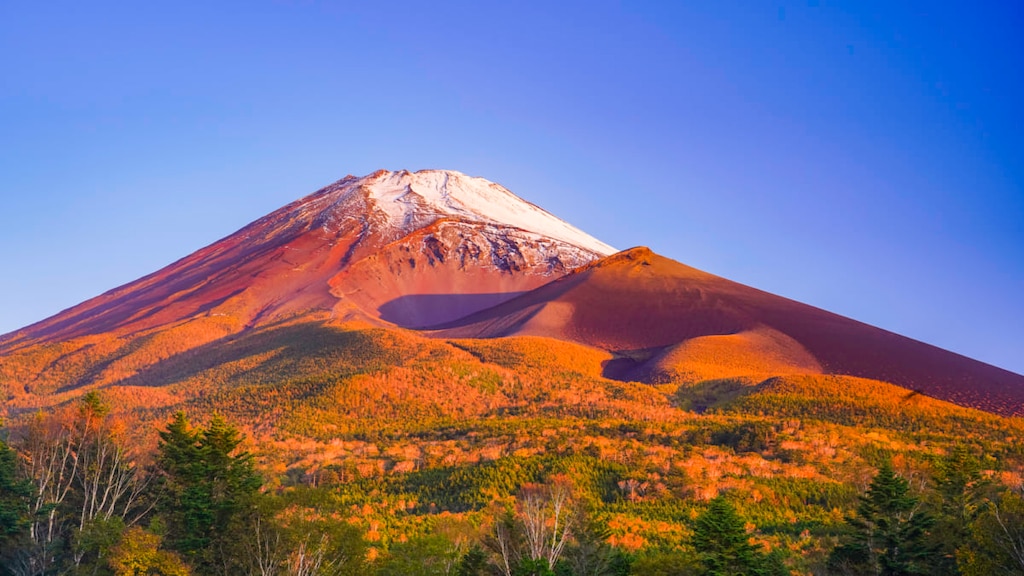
(473, 563)
(664, 563)
(186, 499)
(15, 501)
(958, 495)
(230, 474)
(533, 567)
(723, 546)
(206, 483)
(958, 482)
(889, 534)
(590, 554)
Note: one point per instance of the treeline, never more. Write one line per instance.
(79, 496)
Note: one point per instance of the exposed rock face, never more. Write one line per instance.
(451, 269)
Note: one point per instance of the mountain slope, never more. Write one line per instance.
(468, 259)
(342, 252)
(665, 318)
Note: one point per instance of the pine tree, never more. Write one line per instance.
(958, 494)
(473, 563)
(206, 483)
(724, 547)
(889, 534)
(186, 499)
(15, 500)
(590, 554)
(230, 473)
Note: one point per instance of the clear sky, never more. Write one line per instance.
(864, 157)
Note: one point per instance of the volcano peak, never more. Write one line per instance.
(359, 247)
(412, 200)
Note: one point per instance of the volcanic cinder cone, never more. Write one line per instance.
(667, 319)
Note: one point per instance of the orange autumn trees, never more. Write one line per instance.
(88, 486)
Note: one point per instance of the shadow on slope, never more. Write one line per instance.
(269, 354)
(323, 381)
(431, 309)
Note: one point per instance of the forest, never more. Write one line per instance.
(321, 450)
(76, 498)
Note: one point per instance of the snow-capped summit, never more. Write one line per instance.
(409, 197)
(401, 202)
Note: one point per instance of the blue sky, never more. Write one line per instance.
(864, 157)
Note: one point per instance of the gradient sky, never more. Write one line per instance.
(864, 157)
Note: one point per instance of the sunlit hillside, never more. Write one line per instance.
(395, 432)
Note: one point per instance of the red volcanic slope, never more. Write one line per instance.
(356, 249)
(637, 300)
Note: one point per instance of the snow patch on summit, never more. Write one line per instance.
(411, 200)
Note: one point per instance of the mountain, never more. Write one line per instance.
(456, 257)
(413, 356)
(670, 322)
(351, 250)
